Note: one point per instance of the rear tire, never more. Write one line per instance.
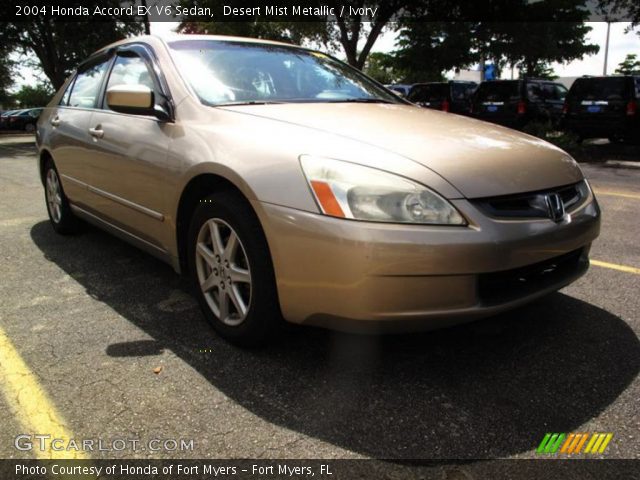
(231, 270)
(61, 217)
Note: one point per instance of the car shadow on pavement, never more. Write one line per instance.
(484, 390)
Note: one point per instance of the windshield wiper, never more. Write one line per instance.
(359, 100)
(250, 102)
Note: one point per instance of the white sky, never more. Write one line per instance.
(620, 44)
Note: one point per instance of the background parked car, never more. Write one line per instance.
(4, 118)
(24, 120)
(515, 103)
(401, 88)
(453, 96)
(604, 107)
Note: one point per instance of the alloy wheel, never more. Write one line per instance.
(54, 195)
(223, 271)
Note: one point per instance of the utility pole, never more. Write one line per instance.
(606, 49)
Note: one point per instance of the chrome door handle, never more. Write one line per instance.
(96, 132)
(55, 121)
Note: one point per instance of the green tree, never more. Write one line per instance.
(629, 66)
(380, 67)
(344, 32)
(427, 49)
(59, 46)
(620, 10)
(6, 75)
(538, 34)
(531, 46)
(37, 96)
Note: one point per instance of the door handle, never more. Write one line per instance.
(55, 121)
(96, 132)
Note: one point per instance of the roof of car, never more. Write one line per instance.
(604, 77)
(180, 37)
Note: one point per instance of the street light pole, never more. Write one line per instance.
(606, 49)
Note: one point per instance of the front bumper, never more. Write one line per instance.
(361, 276)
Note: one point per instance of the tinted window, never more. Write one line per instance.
(223, 72)
(611, 88)
(558, 91)
(87, 86)
(434, 92)
(535, 92)
(462, 91)
(499, 91)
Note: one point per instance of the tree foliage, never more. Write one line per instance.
(346, 32)
(629, 66)
(379, 66)
(426, 49)
(621, 10)
(59, 46)
(37, 96)
(6, 75)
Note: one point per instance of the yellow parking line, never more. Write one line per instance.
(30, 403)
(615, 266)
(617, 194)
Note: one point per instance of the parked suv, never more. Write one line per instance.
(453, 96)
(515, 103)
(604, 107)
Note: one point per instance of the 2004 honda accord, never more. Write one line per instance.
(289, 185)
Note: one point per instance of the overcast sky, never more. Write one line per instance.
(620, 44)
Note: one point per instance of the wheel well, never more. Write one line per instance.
(198, 188)
(44, 156)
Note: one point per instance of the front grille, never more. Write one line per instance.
(532, 204)
(501, 287)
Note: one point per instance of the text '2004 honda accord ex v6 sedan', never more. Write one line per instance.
(287, 184)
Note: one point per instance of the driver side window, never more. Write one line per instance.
(129, 70)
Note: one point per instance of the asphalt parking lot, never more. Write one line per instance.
(119, 347)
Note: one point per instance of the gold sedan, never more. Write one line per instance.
(287, 184)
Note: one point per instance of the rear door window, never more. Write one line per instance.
(555, 92)
(86, 88)
(499, 91)
(462, 91)
(436, 92)
(535, 92)
(611, 88)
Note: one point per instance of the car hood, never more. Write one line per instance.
(480, 159)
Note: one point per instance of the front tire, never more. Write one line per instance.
(61, 217)
(231, 270)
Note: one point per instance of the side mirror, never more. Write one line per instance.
(135, 100)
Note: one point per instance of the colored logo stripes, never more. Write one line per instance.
(574, 442)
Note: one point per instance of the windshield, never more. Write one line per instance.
(225, 72)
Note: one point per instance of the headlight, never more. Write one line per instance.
(347, 190)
